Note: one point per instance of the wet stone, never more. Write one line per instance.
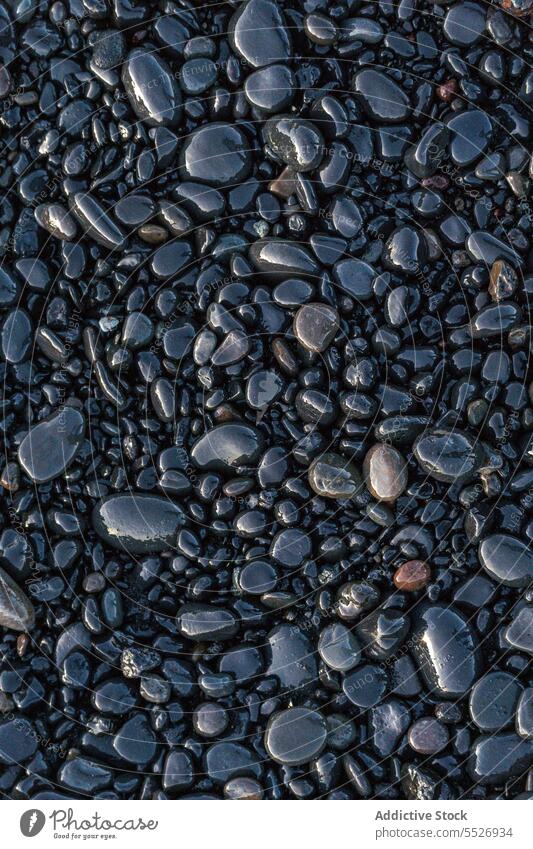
(258, 33)
(448, 456)
(385, 472)
(279, 258)
(227, 760)
(52, 444)
(524, 714)
(331, 476)
(427, 736)
(16, 610)
(405, 251)
(153, 92)
(290, 548)
(365, 686)
(503, 281)
(388, 722)
(291, 658)
(18, 741)
(496, 758)
(297, 142)
(381, 98)
(339, 648)
(135, 742)
(507, 560)
(227, 447)
(201, 622)
(16, 336)
(464, 24)
(270, 89)
(315, 326)
(217, 154)
(493, 701)
(446, 651)
(137, 523)
(295, 736)
(411, 576)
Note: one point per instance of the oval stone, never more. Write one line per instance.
(381, 98)
(217, 154)
(332, 476)
(227, 447)
(16, 337)
(507, 560)
(498, 757)
(446, 650)
(448, 456)
(295, 736)
(279, 259)
(258, 35)
(152, 89)
(137, 523)
(296, 141)
(51, 445)
(385, 472)
(315, 326)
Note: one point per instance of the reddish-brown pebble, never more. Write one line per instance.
(412, 576)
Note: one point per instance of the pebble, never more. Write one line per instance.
(16, 610)
(385, 472)
(524, 714)
(493, 701)
(297, 142)
(338, 647)
(18, 741)
(152, 90)
(496, 758)
(427, 736)
(270, 89)
(315, 326)
(52, 444)
(201, 622)
(217, 154)
(227, 447)
(331, 476)
(138, 523)
(295, 736)
(446, 651)
(258, 33)
(448, 456)
(15, 338)
(381, 98)
(411, 576)
(507, 559)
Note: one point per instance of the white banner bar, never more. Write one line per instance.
(316, 825)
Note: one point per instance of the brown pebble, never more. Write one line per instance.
(385, 472)
(284, 185)
(427, 736)
(22, 644)
(503, 280)
(447, 90)
(412, 576)
(153, 234)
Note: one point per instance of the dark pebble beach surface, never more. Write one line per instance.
(267, 404)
